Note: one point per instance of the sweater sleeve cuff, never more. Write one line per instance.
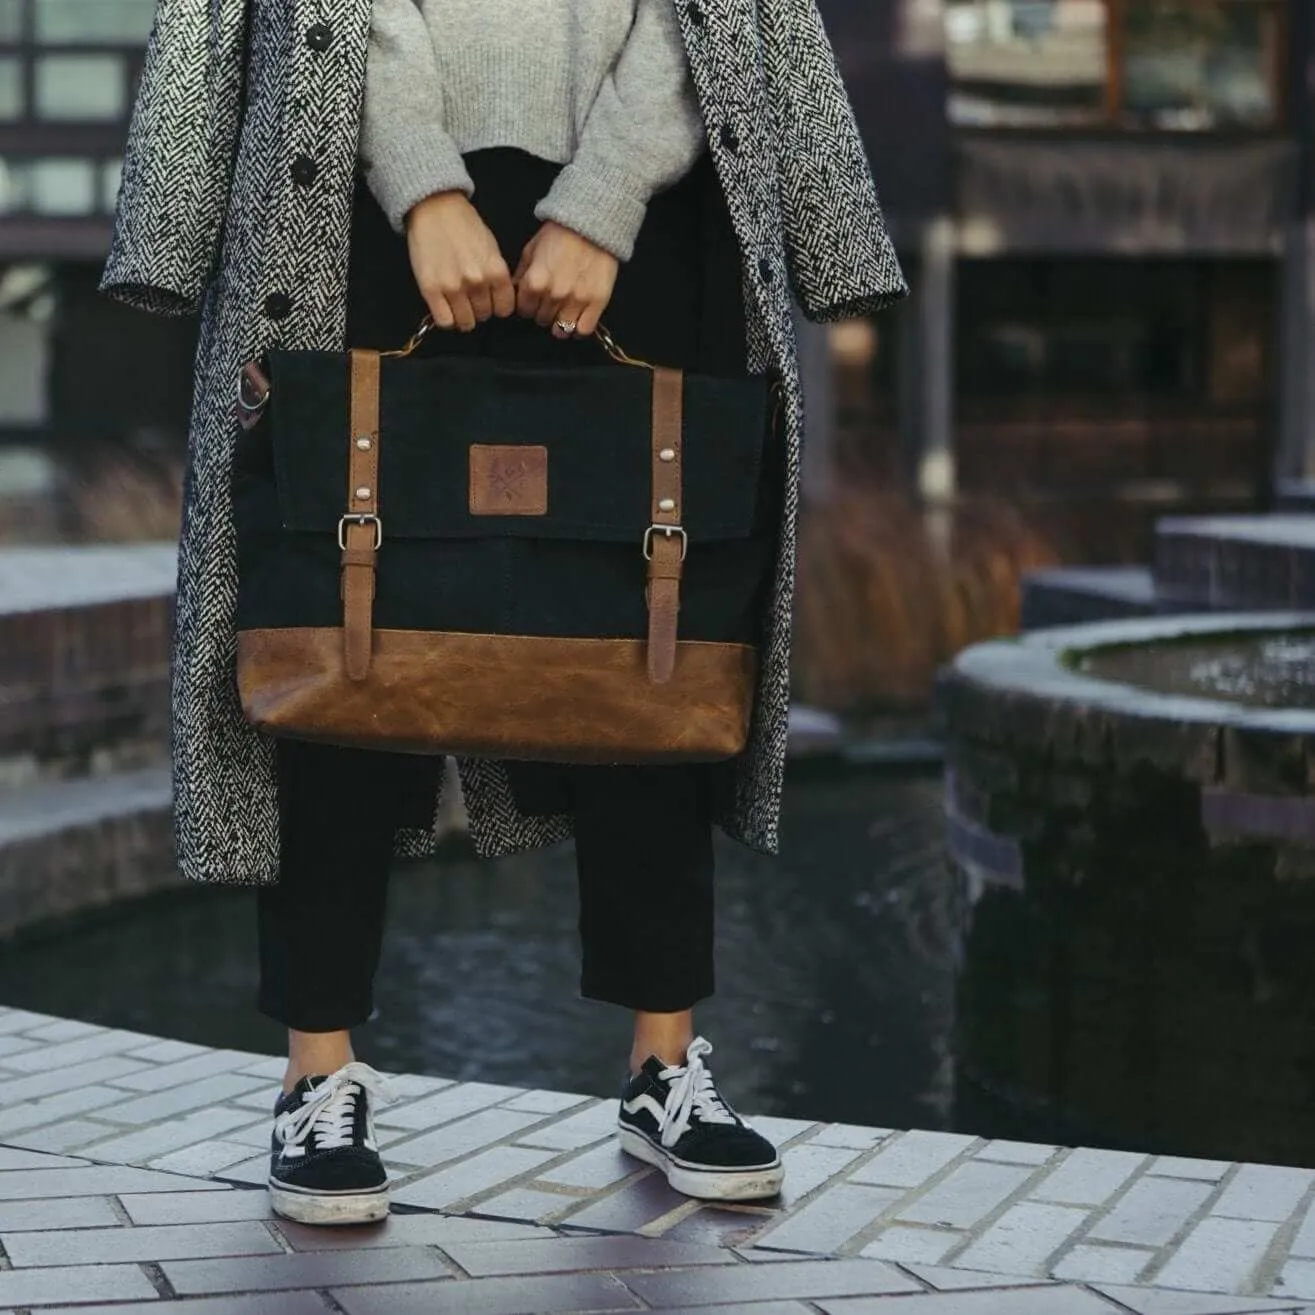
(418, 163)
(604, 204)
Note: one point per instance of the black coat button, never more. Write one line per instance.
(304, 170)
(728, 138)
(765, 270)
(278, 305)
(695, 13)
(318, 36)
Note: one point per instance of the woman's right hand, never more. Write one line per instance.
(456, 262)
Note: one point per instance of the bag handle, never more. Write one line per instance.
(610, 344)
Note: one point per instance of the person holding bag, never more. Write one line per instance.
(511, 176)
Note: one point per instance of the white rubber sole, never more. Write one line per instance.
(705, 1184)
(349, 1208)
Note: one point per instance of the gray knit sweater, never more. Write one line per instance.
(599, 86)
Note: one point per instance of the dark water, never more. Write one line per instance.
(834, 996)
(1270, 671)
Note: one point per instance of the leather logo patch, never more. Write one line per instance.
(508, 481)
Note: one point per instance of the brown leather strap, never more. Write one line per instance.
(360, 538)
(665, 543)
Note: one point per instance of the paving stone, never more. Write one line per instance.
(1218, 1255)
(70, 1212)
(1152, 1211)
(15, 1045)
(1303, 1244)
(1098, 1264)
(64, 1054)
(577, 1130)
(63, 1029)
(407, 1230)
(967, 1195)
(528, 1205)
(204, 1158)
(919, 1245)
(543, 1295)
(271, 1068)
(577, 1254)
(1016, 1152)
(181, 1099)
(910, 1160)
(49, 1109)
(167, 1052)
(159, 1077)
(59, 1137)
(93, 1246)
(19, 1020)
(1087, 1177)
(1000, 1301)
(830, 1219)
(254, 1172)
(443, 1106)
(1180, 1166)
(453, 1140)
(850, 1135)
(96, 1180)
(42, 1287)
(729, 1227)
(473, 1177)
(944, 1279)
(808, 1166)
(807, 1279)
(636, 1205)
(600, 1167)
(548, 1102)
(289, 1303)
(1264, 1192)
(151, 1142)
(195, 1207)
(1147, 1301)
(10, 1158)
(306, 1269)
(1023, 1239)
(76, 1076)
(1297, 1279)
(779, 1131)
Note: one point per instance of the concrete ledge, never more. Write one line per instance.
(1076, 595)
(1236, 563)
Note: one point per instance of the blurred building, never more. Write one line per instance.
(1103, 205)
(1104, 208)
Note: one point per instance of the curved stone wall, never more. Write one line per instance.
(1136, 878)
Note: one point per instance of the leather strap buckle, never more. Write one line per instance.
(671, 531)
(360, 518)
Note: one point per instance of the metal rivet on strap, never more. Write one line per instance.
(363, 492)
(667, 454)
(363, 444)
(667, 504)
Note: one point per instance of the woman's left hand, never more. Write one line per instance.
(564, 276)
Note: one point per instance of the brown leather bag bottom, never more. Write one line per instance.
(500, 696)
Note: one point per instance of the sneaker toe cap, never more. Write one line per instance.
(345, 1170)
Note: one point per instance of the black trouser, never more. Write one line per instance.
(644, 854)
(643, 834)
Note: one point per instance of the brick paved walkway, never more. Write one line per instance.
(129, 1172)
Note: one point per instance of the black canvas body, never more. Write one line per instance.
(577, 571)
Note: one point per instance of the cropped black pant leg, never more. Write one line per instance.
(644, 857)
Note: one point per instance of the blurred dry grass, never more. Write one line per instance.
(121, 496)
(888, 593)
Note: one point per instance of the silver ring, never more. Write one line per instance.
(566, 326)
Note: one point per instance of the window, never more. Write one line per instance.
(80, 87)
(92, 22)
(1167, 65)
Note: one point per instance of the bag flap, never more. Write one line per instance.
(595, 423)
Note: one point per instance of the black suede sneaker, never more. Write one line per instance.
(676, 1119)
(324, 1165)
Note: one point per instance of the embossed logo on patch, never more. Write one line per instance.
(507, 480)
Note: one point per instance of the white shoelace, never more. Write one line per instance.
(330, 1109)
(692, 1092)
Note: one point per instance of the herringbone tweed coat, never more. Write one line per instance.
(236, 201)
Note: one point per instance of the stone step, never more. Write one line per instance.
(1073, 595)
(85, 632)
(67, 846)
(1236, 563)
